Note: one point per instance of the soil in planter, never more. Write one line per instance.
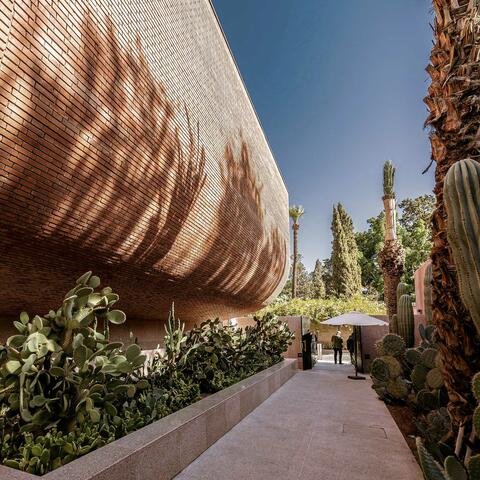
(404, 418)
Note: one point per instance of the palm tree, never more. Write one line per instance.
(392, 256)
(296, 211)
(455, 121)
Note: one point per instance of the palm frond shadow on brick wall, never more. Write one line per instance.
(99, 174)
(254, 266)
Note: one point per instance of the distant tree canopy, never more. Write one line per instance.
(318, 284)
(346, 273)
(370, 242)
(304, 280)
(353, 262)
(413, 232)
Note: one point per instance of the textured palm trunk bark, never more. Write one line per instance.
(295, 259)
(454, 117)
(391, 260)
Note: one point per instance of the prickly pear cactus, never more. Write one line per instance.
(380, 370)
(397, 388)
(393, 345)
(406, 322)
(413, 356)
(427, 294)
(461, 193)
(435, 379)
(429, 357)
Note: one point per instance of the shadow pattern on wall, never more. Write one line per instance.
(102, 171)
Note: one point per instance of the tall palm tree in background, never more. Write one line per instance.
(455, 124)
(296, 211)
(392, 256)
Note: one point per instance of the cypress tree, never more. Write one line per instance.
(346, 274)
(318, 285)
(356, 273)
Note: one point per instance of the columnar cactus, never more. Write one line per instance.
(401, 290)
(405, 320)
(461, 193)
(393, 325)
(427, 294)
(453, 468)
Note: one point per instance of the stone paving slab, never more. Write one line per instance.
(319, 425)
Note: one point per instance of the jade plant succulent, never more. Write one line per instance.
(66, 388)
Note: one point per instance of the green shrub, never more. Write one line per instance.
(321, 309)
(66, 389)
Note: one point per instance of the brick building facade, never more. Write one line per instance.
(129, 146)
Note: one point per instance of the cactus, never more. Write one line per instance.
(435, 379)
(394, 367)
(431, 468)
(427, 400)
(388, 180)
(429, 357)
(474, 467)
(406, 322)
(461, 192)
(476, 386)
(438, 424)
(413, 356)
(427, 294)
(402, 289)
(419, 376)
(397, 388)
(393, 345)
(393, 326)
(380, 370)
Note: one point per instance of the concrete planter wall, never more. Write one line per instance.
(163, 449)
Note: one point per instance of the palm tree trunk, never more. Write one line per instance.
(295, 258)
(391, 258)
(455, 121)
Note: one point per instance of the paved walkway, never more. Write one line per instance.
(319, 425)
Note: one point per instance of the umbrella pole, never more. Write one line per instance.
(356, 376)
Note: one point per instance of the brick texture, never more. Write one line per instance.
(129, 146)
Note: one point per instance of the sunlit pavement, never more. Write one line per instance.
(319, 425)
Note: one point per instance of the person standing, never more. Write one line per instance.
(337, 342)
(351, 347)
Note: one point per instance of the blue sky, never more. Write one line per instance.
(338, 87)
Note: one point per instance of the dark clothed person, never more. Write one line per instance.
(337, 343)
(351, 348)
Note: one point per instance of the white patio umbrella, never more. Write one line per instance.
(356, 319)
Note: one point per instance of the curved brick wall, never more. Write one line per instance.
(129, 146)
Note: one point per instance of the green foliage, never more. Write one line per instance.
(402, 289)
(414, 233)
(393, 345)
(388, 180)
(461, 193)
(370, 243)
(387, 370)
(218, 357)
(346, 274)
(296, 212)
(304, 281)
(322, 309)
(405, 320)
(65, 389)
(318, 284)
